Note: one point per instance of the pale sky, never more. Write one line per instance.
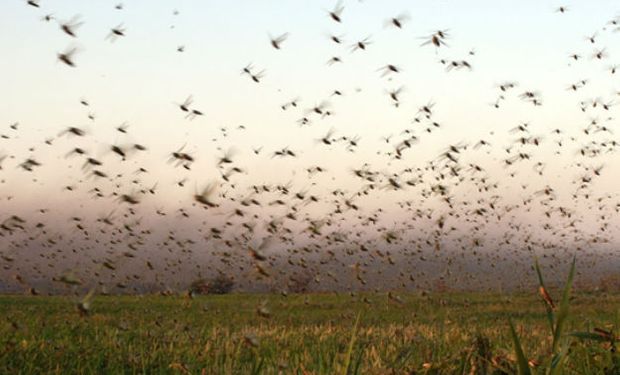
(140, 78)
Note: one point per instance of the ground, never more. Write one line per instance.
(301, 334)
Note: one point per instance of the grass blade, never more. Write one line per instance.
(589, 336)
(522, 365)
(347, 358)
(563, 310)
(557, 360)
(548, 308)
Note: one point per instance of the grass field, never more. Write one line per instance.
(302, 334)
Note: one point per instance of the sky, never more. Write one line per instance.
(139, 79)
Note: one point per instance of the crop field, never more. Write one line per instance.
(305, 334)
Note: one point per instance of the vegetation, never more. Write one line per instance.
(313, 334)
(464, 333)
(220, 285)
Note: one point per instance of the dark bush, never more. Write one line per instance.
(300, 283)
(220, 285)
(217, 285)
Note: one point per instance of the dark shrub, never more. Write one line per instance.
(220, 285)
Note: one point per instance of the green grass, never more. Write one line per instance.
(304, 334)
